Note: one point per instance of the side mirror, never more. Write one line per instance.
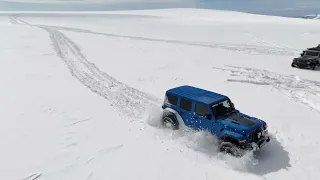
(208, 116)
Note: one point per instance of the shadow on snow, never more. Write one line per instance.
(270, 158)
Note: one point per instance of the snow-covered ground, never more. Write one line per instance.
(81, 94)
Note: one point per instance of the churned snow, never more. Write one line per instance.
(81, 94)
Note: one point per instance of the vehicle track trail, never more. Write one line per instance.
(269, 43)
(129, 101)
(306, 92)
(257, 49)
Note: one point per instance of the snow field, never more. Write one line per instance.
(81, 95)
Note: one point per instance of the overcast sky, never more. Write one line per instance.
(270, 7)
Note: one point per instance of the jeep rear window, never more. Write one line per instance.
(172, 99)
(202, 110)
(185, 104)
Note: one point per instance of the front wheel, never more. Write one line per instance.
(229, 148)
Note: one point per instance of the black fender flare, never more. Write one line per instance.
(177, 116)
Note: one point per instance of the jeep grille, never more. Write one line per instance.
(255, 134)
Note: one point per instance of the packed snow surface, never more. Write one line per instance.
(81, 94)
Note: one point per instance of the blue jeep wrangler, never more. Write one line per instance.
(205, 110)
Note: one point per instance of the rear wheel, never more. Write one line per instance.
(169, 121)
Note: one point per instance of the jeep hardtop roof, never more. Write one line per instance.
(313, 51)
(197, 94)
(317, 49)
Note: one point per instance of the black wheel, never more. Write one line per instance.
(229, 148)
(169, 121)
(292, 65)
(313, 66)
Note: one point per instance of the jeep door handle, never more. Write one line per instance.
(181, 112)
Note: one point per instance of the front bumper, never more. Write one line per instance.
(261, 142)
(300, 64)
(263, 139)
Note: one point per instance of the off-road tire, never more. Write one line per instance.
(229, 148)
(169, 120)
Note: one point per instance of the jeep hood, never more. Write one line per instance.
(241, 123)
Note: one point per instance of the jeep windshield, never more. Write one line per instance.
(223, 108)
(311, 53)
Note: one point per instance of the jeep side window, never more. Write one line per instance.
(185, 104)
(203, 111)
(171, 99)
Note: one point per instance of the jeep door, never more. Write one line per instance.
(203, 116)
(185, 111)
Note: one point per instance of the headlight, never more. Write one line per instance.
(265, 133)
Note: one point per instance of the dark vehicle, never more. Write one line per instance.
(209, 111)
(309, 58)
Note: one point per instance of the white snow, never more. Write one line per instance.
(81, 94)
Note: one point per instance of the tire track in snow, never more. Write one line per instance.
(303, 91)
(129, 101)
(33, 176)
(269, 43)
(269, 50)
(232, 47)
